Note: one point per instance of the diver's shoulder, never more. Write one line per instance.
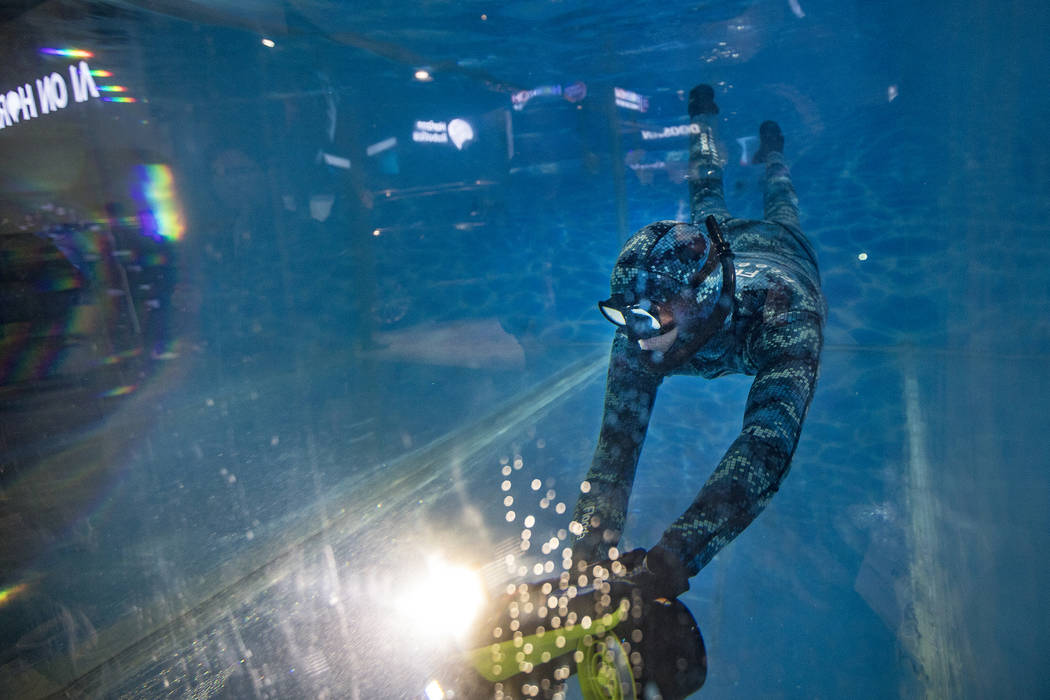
(786, 282)
(759, 234)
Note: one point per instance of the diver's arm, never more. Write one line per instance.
(786, 351)
(630, 392)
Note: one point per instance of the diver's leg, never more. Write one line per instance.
(779, 199)
(706, 192)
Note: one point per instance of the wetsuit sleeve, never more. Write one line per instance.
(785, 351)
(630, 392)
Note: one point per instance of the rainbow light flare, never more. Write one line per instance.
(119, 357)
(118, 391)
(118, 99)
(68, 53)
(112, 88)
(6, 594)
(99, 73)
(164, 216)
(23, 356)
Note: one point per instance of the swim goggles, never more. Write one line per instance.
(639, 320)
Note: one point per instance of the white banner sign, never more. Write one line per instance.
(631, 100)
(459, 131)
(671, 131)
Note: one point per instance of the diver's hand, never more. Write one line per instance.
(658, 572)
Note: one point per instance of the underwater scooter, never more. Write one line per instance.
(620, 644)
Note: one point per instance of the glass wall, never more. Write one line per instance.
(300, 363)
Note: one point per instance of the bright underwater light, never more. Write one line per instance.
(442, 601)
(433, 691)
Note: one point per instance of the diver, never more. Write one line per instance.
(715, 296)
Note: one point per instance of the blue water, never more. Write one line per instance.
(235, 431)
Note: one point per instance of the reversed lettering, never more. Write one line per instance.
(25, 94)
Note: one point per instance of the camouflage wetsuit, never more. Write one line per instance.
(774, 333)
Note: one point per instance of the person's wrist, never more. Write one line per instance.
(668, 570)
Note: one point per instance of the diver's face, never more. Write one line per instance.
(660, 343)
(652, 325)
(679, 316)
(668, 323)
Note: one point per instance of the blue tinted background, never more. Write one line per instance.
(224, 457)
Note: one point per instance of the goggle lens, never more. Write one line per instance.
(613, 314)
(643, 318)
(635, 319)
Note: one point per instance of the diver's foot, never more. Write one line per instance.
(771, 141)
(702, 101)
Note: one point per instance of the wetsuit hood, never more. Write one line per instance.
(676, 264)
(658, 261)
